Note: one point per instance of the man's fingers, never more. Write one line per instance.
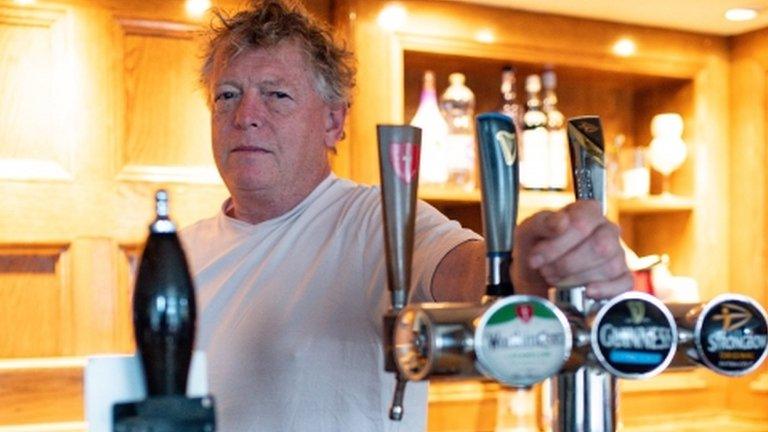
(564, 230)
(545, 224)
(606, 271)
(600, 253)
(612, 288)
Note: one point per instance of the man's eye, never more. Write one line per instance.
(280, 95)
(225, 95)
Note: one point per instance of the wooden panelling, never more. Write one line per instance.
(167, 120)
(41, 391)
(33, 301)
(749, 189)
(96, 304)
(34, 143)
(462, 406)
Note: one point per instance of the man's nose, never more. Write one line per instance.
(250, 111)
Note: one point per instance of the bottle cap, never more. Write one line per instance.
(549, 79)
(429, 79)
(456, 78)
(532, 83)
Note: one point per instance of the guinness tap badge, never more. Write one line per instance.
(508, 144)
(731, 335)
(634, 336)
(636, 311)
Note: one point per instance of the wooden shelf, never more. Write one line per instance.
(528, 199)
(655, 204)
(448, 195)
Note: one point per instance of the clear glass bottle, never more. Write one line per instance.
(509, 105)
(534, 154)
(433, 170)
(557, 138)
(458, 107)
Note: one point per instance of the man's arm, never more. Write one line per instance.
(573, 246)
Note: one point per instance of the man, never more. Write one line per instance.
(291, 273)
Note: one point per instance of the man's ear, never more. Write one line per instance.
(334, 124)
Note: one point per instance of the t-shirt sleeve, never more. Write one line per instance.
(435, 235)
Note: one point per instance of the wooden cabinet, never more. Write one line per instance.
(671, 71)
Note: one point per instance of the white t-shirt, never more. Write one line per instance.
(290, 309)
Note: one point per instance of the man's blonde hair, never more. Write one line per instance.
(269, 22)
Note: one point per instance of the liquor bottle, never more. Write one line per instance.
(434, 133)
(509, 105)
(458, 106)
(556, 136)
(534, 161)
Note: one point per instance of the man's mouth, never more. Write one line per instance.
(249, 149)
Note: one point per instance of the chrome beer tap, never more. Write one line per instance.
(493, 339)
(630, 336)
(399, 151)
(727, 335)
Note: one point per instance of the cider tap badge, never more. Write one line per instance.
(634, 336)
(522, 340)
(731, 335)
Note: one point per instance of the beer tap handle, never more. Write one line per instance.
(587, 149)
(399, 150)
(499, 175)
(164, 308)
(585, 136)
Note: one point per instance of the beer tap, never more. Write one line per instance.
(727, 335)
(164, 325)
(519, 340)
(630, 336)
(399, 151)
(516, 340)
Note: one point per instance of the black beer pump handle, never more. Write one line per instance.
(499, 175)
(399, 151)
(164, 308)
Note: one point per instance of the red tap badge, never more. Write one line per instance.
(405, 160)
(525, 312)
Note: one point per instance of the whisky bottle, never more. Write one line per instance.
(534, 161)
(508, 104)
(458, 107)
(556, 137)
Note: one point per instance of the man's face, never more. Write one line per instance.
(270, 128)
